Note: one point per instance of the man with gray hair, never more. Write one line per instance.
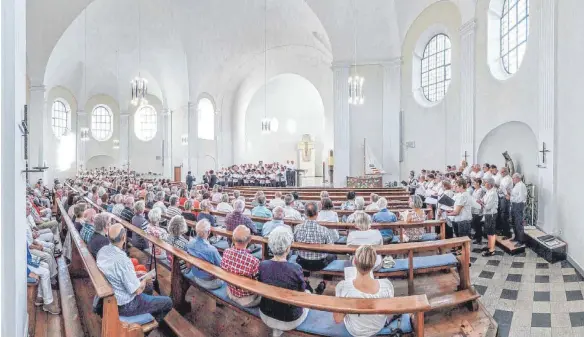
(200, 247)
(277, 221)
(160, 201)
(489, 204)
(277, 201)
(236, 218)
(312, 232)
(99, 238)
(289, 211)
(504, 191)
(173, 209)
(518, 199)
(261, 211)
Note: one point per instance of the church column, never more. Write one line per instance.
(467, 90)
(342, 128)
(124, 139)
(37, 129)
(391, 121)
(193, 146)
(547, 102)
(166, 148)
(82, 124)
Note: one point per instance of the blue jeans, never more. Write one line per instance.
(157, 306)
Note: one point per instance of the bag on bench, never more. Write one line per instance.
(399, 325)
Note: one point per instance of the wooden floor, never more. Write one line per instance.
(48, 325)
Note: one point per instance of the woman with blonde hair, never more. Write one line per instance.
(363, 285)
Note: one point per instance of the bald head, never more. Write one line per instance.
(116, 234)
(241, 236)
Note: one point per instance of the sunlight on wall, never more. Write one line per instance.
(66, 152)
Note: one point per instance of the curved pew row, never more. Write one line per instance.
(319, 321)
(335, 198)
(340, 212)
(317, 189)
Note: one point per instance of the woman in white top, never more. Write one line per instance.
(328, 215)
(462, 213)
(477, 212)
(363, 286)
(364, 235)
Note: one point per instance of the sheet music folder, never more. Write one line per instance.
(446, 200)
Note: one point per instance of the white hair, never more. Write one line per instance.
(239, 205)
(518, 176)
(155, 215)
(279, 240)
(382, 203)
(359, 203)
(278, 213)
(203, 226)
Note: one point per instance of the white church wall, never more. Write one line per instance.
(433, 127)
(299, 108)
(519, 140)
(62, 154)
(93, 147)
(569, 156)
(366, 119)
(513, 99)
(146, 156)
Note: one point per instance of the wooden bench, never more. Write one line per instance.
(71, 319)
(32, 288)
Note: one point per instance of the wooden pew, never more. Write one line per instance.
(71, 319)
(32, 289)
(88, 280)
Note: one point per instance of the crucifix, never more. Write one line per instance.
(465, 156)
(544, 151)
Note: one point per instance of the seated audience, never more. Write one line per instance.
(276, 222)
(281, 273)
(236, 218)
(277, 201)
(359, 207)
(127, 212)
(173, 209)
(326, 213)
(289, 211)
(188, 213)
(201, 248)
(349, 205)
(224, 205)
(40, 271)
(364, 235)
(205, 212)
(160, 197)
(311, 232)
(255, 201)
(99, 238)
(238, 260)
(119, 205)
(261, 211)
(373, 199)
(78, 216)
(177, 227)
(87, 229)
(153, 228)
(384, 216)
(139, 220)
(416, 215)
(182, 197)
(150, 200)
(299, 205)
(128, 290)
(363, 286)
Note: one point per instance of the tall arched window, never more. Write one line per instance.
(145, 123)
(514, 32)
(436, 68)
(206, 119)
(60, 117)
(102, 123)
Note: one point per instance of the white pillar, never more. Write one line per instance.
(546, 112)
(391, 121)
(12, 180)
(467, 90)
(82, 123)
(342, 124)
(37, 129)
(124, 139)
(193, 139)
(167, 149)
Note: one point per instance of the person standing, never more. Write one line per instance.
(504, 191)
(190, 180)
(489, 203)
(518, 198)
(212, 179)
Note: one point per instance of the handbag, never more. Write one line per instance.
(388, 262)
(399, 325)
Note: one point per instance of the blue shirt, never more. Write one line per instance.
(261, 212)
(209, 217)
(271, 225)
(386, 216)
(203, 250)
(119, 271)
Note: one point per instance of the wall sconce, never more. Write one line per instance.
(116, 144)
(84, 134)
(184, 139)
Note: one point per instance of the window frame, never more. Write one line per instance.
(139, 123)
(445, 67)
(505, 35)
(207, 131)
(66, 120)
(108, 133)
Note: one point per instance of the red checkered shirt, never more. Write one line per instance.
(240, 262)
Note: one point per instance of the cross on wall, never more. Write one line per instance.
(544, 151)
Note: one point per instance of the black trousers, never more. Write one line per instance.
(449, 231)
(503, 217)
(478, 227)
(316, 265)
(517, 209)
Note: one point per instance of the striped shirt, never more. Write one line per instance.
(172, 211)
(119, 271)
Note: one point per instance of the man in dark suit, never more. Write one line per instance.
(212, 179)
(190, 180)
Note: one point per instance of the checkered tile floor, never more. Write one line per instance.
(528, 296)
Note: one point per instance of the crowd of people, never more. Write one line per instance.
(268, 175)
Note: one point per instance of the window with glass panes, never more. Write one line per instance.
(101, 123)
(60, 118)
(436, 68)
(145, 123)
(514, 32)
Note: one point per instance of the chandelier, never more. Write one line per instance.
(356, 96)
(84, 134)
(139, 91)
(268, 124)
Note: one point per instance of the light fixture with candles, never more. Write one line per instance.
(84, 134)
(356, 96)
(269, 125)
(139, 85)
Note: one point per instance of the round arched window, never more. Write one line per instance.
(514, 32)
(206, 119)
(436, 68)
(60, 118)
(145, 123)
(102, 123)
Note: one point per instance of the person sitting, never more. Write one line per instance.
(40, 223)
(326, 213)
(416, 215)
(349, 205)
(205, 213)
(224, 205)
(188, 213)
(200, 247)
(281, 273)
(289, 211)
(359, 207)
(182, 197)
(364, 235)
(160, 196)
(40, 270)
(373, 199)
(323, 194)
(217, 193)
(119, 205)
(238, 260)
(236, 218)
(177, 227)
(299, 205)
(173, 209)
(255, 200)
(87, 229)
(139, 220)
(261, 211)
(128, 290)
(150, 200)
(78, 216)
(311, 232)
(153, 228)
(127, 213)
(276, 222)
(363, 286)
(277, 201)
(99, 238)
(384, 216)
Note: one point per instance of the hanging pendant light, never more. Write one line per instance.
(139, 85)
(268, 125)
(356, 96)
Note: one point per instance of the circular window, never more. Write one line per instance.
(436, 68)
(102, 123)
(60, 118)
(514, 32)
(145, 123)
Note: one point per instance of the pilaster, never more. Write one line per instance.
(167, 149)
(124, 155)
(37, 127)
(467, 90)
(342, 130)
(391, 120)
(82, 124)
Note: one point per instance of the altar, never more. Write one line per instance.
(372, 181)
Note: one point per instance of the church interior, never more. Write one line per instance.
(291, 168)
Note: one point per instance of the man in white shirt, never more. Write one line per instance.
(489, 203)
(518, 198)
(277, 201)
(487, 172)
(505, 185)
(289, 211)
(466, 169)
